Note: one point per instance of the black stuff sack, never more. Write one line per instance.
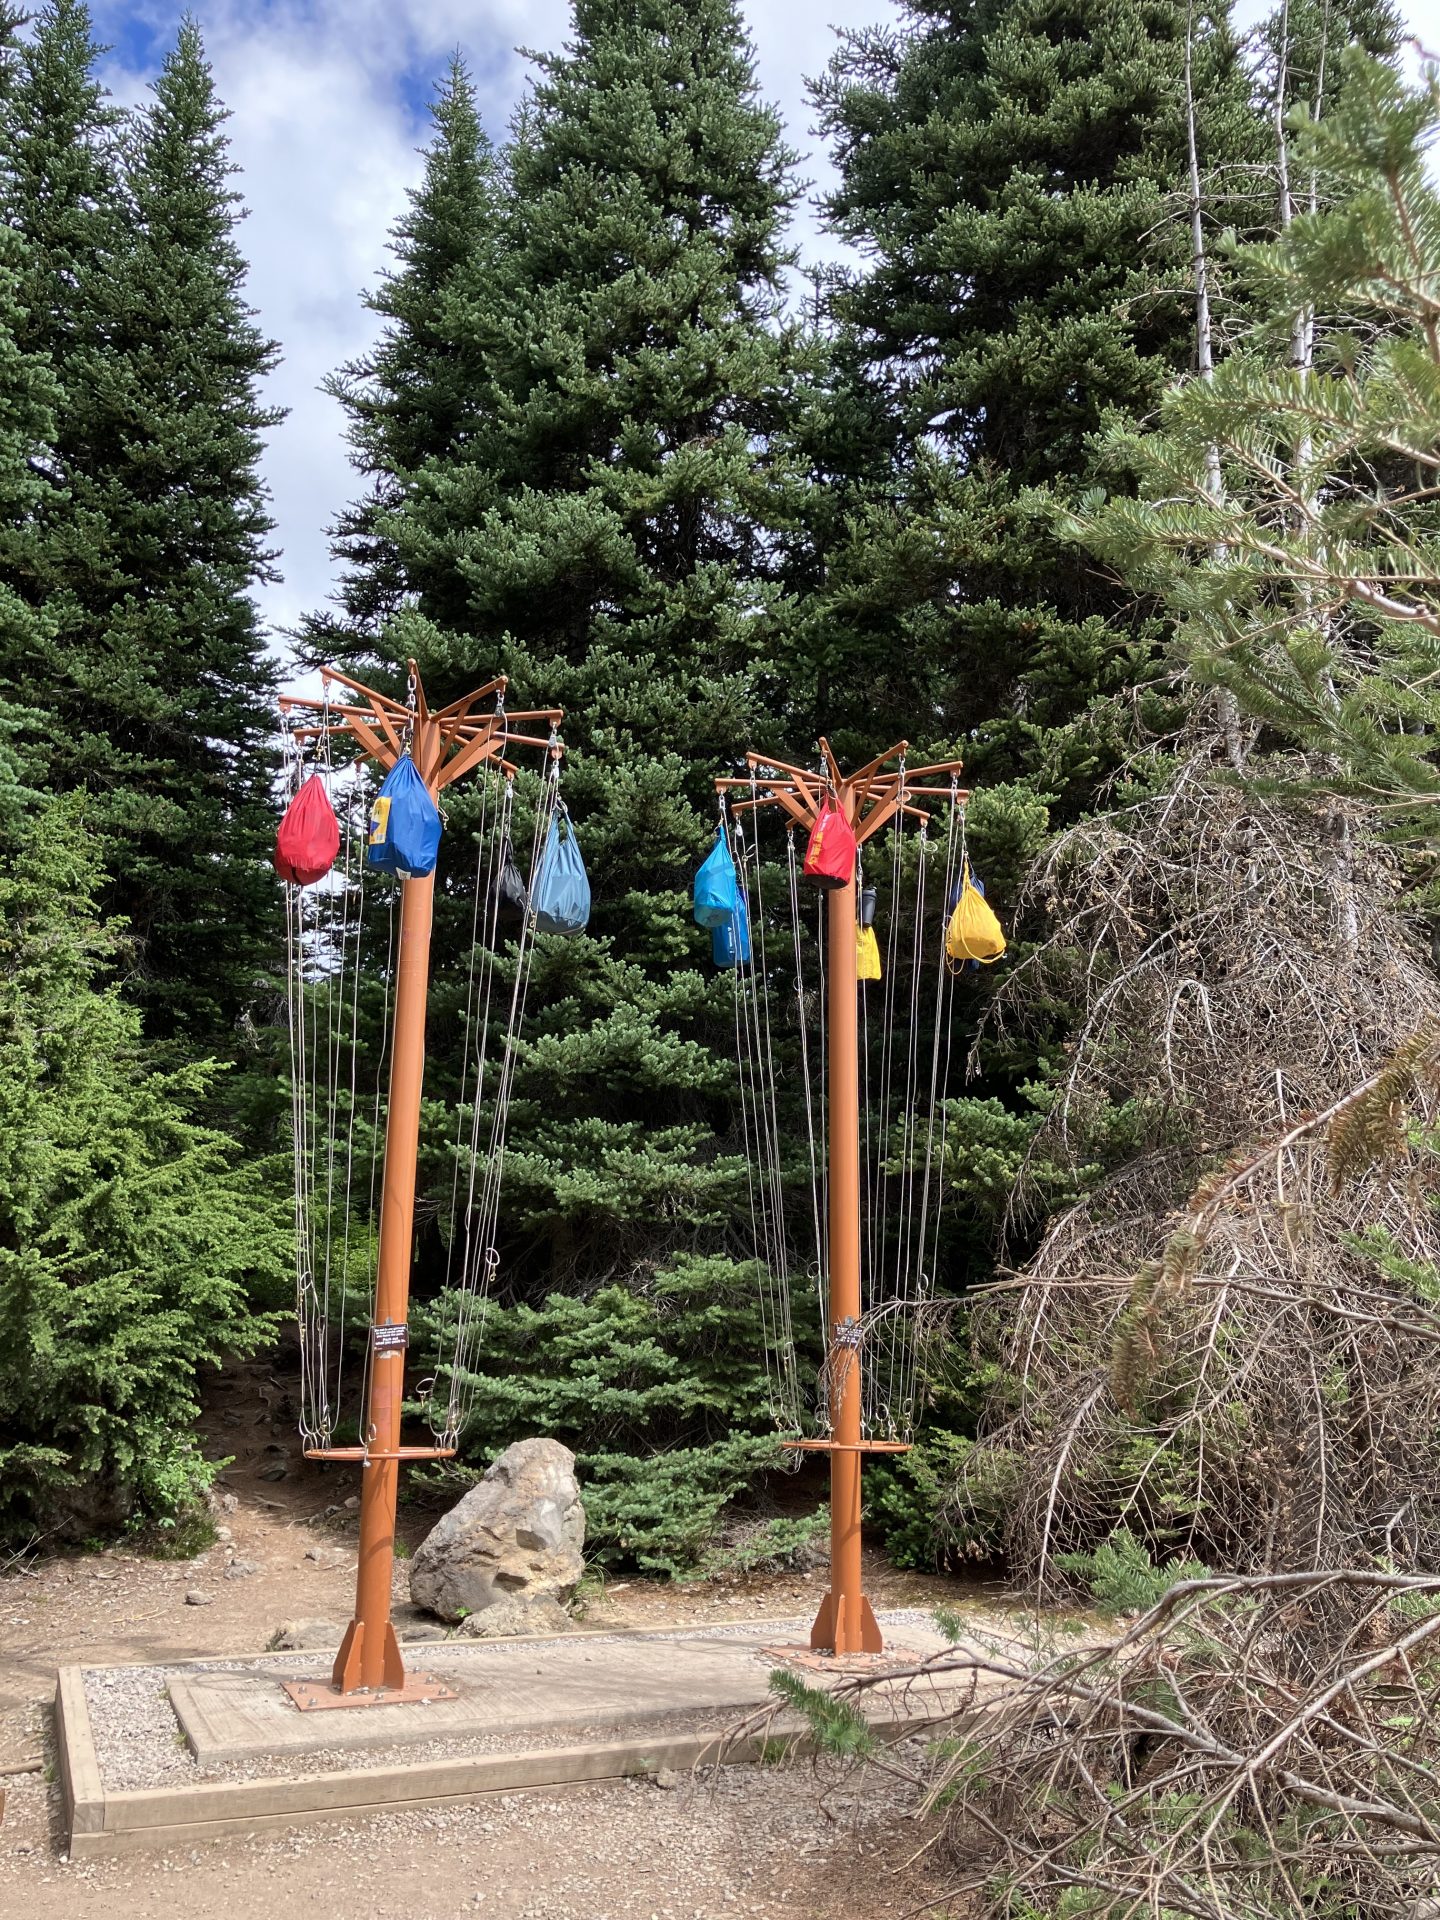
(511, 899)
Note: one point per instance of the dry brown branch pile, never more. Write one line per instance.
(1222, 1347)
(1247, 1748)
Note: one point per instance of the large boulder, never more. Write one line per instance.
(516, 1536)
(306, 1636)
(540, 1613)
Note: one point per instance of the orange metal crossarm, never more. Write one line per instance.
(789, 780)
(882, 811)
(356, 720)
(328, 674)
(759, 760)
(912, 774)
(897, 752)
(777, 797)
(371, 742)
(337, 712)
(457, 709)
(481, 746)
(486, 746)
(529, 739)
(864, 788)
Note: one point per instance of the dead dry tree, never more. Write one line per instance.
(1222, 1346)
(1258, 1748)
(1264, 1746)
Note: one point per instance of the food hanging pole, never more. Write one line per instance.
(443, 746)
(846, 1623)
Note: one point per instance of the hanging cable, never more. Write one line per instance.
(481, 1259)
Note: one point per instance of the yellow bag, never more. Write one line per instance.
(973, 933)
(867, 954)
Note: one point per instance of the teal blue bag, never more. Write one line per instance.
(561, 899)
(730, 942)
(717, 887)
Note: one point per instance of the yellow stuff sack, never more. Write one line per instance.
(973, 933)
(867, 954)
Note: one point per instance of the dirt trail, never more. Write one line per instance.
(744, 1845)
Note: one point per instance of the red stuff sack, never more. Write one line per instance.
(830, 854)
(309, 838)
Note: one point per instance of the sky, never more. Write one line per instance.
(328, 102)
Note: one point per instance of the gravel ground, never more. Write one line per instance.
(793, 1843)
(744, 1843)
(138, 1742)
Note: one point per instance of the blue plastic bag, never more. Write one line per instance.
(717, 888)
(730, 942)
(561, 899)
(404, 825)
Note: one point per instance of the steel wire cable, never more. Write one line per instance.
(761, 1138)
(482, 1255)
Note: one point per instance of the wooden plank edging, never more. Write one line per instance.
(78, 1768)
(161, 1817)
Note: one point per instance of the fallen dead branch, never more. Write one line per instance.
(1249, 1747)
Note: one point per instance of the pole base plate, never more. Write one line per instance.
(320, 1696)
(357, 1670)
(847, 1628)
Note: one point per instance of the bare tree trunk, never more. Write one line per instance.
(1302, 358)
(1226, 712)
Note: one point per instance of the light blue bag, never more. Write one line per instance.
(717, 888)
(561, 899)
(730, 942)
(404, 825)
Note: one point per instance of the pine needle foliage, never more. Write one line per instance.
(839, 1729)
(1307, 583)
(133, 1248)
(1371, 1127)
(1122, 1577)
(151, 531)
(1011, 173)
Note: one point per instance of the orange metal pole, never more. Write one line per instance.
(845, 1622)
(369, 1655)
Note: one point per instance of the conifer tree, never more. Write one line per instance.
(599, 530)
(132, 1248)
(1320, 623)
(60, 198)
(28, 399)
(1015, 176)
(27, 395)
(410, 397)
(158, 679)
